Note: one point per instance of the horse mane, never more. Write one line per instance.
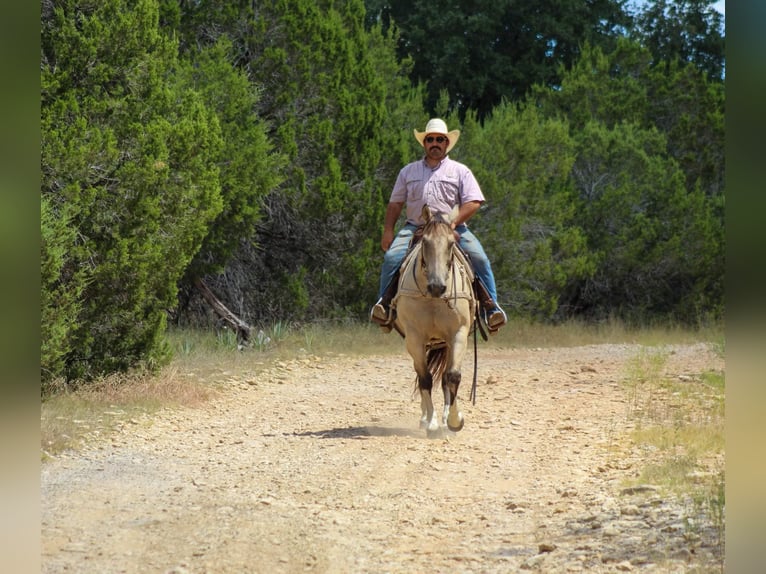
(434, 222)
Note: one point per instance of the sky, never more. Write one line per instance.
(720, 6)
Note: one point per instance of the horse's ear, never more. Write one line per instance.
(426, 213)
(453, 214)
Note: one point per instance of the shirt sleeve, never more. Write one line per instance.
(399, 193)
(470, 190)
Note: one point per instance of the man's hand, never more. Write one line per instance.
(392, 214)
(387, 239)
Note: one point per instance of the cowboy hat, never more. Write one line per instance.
(437, 126)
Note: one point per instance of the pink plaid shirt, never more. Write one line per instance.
(448, 184)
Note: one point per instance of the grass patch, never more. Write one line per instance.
(573, 333)
(68, 415)
(679, 424)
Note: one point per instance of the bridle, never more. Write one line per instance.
(424, 263)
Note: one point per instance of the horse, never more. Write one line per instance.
(435, 308)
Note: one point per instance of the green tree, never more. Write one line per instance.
(129, 158)
(641, 129)
(60, 293)
(607, 87)
(654, 243)
(528, 226)
(248, 166)
(676, 99)
(690, 110)
(324, 102)
(484, 51)
(685, 31)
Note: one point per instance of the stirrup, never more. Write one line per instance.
(496, 318)
(382, 316)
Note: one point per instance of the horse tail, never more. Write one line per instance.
(436, 360)
(437, 363)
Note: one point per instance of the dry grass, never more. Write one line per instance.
(69, 415)
(573, 333)
(679, 425)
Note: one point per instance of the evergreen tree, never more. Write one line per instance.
(679, 103)
(484, 51)
(683, 31)
(323, 101)
(690, 110)
(677, 99)
(528, 226)
(60, 290)
(249, 168)
(128, 158)
(654, 243)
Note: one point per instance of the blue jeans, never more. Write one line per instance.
(393, 258)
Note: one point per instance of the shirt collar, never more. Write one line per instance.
(425, 163)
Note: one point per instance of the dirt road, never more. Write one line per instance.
(318, 465)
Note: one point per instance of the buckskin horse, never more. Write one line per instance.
(435, 307)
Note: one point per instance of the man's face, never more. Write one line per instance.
(436, 145)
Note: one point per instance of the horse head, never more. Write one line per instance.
(437, 244)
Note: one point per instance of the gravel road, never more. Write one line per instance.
(318, 465)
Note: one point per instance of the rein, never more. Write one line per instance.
(472, 396)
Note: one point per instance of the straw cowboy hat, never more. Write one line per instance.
(437, 126)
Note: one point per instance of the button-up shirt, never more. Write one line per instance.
(448, 184)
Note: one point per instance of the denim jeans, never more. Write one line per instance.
(393, 258)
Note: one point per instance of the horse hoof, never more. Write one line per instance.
(456, 428)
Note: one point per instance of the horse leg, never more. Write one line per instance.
(428, 419)
(452, 416)
(425, 383)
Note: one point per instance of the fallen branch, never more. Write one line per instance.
(242, 329)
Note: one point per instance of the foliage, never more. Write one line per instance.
(324, 100)
(128, 157)
(677, 99)
(648, 175)
(689, 109)
(485, 51)
(650, 237)
(685, 31)
(255, 145)
(523, 162)
(60, 295)
(248, 168)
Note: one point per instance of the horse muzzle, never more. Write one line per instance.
(436, 289)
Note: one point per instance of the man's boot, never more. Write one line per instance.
(494, 316)
(381, 312)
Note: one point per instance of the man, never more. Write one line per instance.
(441, 183)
